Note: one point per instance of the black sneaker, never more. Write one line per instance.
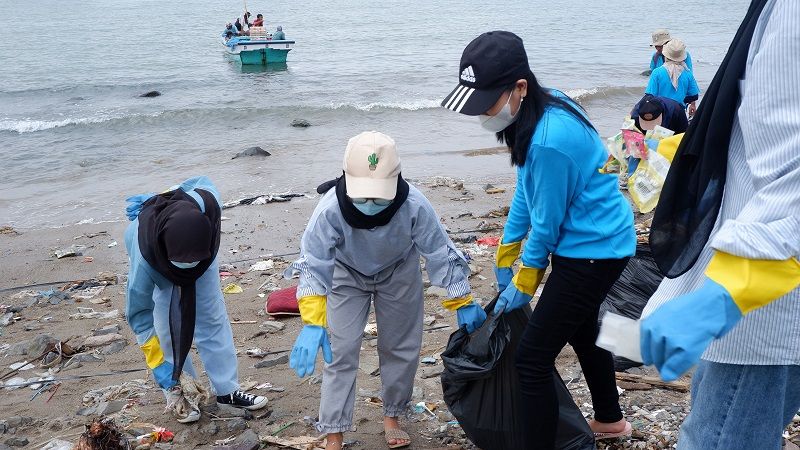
(241, 399)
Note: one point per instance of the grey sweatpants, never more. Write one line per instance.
(397, 295)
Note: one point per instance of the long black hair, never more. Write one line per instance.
(517, 136)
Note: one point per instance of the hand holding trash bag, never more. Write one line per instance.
(520, 291)
(504, 259)
(472, 316)
(304, 354)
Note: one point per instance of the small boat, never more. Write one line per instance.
(258, 48)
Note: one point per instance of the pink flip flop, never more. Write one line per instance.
(626, 432)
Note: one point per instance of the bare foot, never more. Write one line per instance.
(334, 441)
(614, 427)
(390, 423)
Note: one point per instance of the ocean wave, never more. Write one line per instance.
(31, 125)
(410, 105)
(596, 93)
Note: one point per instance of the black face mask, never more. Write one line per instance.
(356, 218)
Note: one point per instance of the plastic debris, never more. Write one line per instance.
(232, 288)
(90, 313)
(72, 250)
(112, 244)
(262, 266)
(491, 241)
(89, 293)
(158, 435)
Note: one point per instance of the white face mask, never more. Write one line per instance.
(182, 265)
(501, 120)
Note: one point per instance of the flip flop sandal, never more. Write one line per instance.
(626, 432)
(398, 435)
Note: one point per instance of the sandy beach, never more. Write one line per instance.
(252, 233)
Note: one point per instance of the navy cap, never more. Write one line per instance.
(490, 64)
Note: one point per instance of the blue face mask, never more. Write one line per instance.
(183, 265)
(370, 207)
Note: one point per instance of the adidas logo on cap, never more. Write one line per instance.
(468, 75)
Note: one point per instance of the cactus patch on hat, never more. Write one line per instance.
(373, 161)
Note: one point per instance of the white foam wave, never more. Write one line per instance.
(30, 126)
(412, 105)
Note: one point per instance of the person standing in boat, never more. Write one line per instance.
(259, 22)
(571, 214)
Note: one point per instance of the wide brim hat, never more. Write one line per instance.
(675, 50)
(660, 37)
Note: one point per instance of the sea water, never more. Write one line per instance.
(75, 138)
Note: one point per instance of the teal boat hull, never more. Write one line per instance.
(263, 56)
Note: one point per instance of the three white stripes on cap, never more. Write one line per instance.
(459, 98)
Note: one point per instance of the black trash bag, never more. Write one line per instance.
(481, 387)
(629, 295)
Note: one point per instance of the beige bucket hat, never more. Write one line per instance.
(675, 50)
(660, 37)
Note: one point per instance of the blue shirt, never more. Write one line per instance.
(562, 202)
(661, 85)
(657, 60)
(146, 286)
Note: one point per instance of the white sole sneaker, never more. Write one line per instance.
(192, 417)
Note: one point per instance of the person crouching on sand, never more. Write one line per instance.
(174, 296)
(570, 213)
(362, 246)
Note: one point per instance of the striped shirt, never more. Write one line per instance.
(760, 214)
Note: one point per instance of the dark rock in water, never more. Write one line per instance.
(252, 151)
(301, 123)
(150, 94)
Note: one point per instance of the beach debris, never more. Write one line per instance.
(431, 371)
(272, 326)
(429, 320)
(491, 189)
(150, 94)
(157, 435)
(89, 293)
(252, 151)
(102, 340)
(436, 291)
(112, 244)
(101, 434)
(371, 329)
(428, 360)
(491, 241)
(192, 394)
(297, 443)
(58, 444)
(262, 266)
(90, 313)
(33, 347)
(497, 213)
(71, 251)
(466, 239)
(440, 181)
(272, 362)
(300, 123)
(262, 199)
(232, 288)
(6, 229)
(679, 386)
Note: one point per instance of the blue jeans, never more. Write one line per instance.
(740, 407)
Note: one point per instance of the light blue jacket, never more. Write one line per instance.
(146, 286)
(562, 203)
(278, 36)
(661, 85)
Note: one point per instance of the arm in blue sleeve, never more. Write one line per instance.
(139, 303)
(446, 265)
(519, 216)
(653, 61)
(689, 61)
(693, 88)
(554, 177)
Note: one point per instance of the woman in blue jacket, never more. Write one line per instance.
(571, 215)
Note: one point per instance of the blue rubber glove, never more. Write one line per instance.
(674, 337)
(503, 276)
(471, 315)
(163, 375)
(304, 354)
(135, 205)
(510, 299)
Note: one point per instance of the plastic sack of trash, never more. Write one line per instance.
(630, 293)
(481, 387)
(646, 182)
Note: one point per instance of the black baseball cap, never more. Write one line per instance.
(490, 64)
(650, 111)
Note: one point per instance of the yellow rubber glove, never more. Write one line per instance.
(528, 279)
(154, 357)
(453, 304)
(507, 254)
(753, 283)
(312, 310)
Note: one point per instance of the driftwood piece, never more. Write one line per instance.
(679, 386)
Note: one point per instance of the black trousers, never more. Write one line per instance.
(567, 313)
